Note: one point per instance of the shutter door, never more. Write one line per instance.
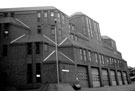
(113, 77)
(95, 77)
(119, 77)
(125, 77)
(105, 78)
(83, 76)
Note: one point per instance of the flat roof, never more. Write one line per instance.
(27, 9)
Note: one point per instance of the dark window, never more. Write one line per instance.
(37, 48)
(5, 50)
(29, 73)
(38, 72)
(29, 48)
(6, 30)
(5, 14)
(39, 29)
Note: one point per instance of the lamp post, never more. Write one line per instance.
(56, 48)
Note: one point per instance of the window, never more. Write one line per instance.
(72, 36)
(76, 38)
(58, 16)
(81, 54)
(38, 72)
(6, 30)
(73, 27)
(103, 59)
(53, 29)
(60, 33)
(45, 14)
(84, 54)
(29, 73)
(38, 16)
(0, 30)
(52, 14)
(29, 48)
(100, 59)
(89, 56)
(5, 50)
(46, 47)
(96, 57)
(84, 31)
(39, 29)
(37, 48)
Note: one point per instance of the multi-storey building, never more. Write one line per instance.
(42, 45)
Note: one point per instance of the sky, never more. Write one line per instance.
(116, 18)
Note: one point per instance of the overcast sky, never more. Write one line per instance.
(116, 18)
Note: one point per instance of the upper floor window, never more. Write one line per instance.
(38, 16)
(81, 54)
(60, 33)
(96, 58)
(76, 38)
(37, 48)
(52, 14)
(46, 47)
(53, 29)
(5, 50)
(84, 54)
(103, 59)
(72, 36)
(6, 30)
(39, 29)
(89, 56)
(100, 59)
(45, 14)
(29, 48)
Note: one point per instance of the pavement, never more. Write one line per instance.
(129, 87)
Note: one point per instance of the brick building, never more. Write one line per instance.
(42, 45)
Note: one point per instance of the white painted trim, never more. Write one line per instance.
(48, 56)
(62, 41)
(67, 57)
(49, 39)
(17, 38)
(22, 23)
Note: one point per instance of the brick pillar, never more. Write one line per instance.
(117, 80)
(90, 76)
(109, 75)
(101, 77)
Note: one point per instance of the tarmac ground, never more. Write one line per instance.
(129, 87)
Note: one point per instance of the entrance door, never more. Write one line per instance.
(105, 78)
(83, 76)
(95, 77)
(113, 77)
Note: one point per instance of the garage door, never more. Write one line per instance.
(95, 77)
(125, 77)
(105, 77)
(83, 76)
(119, 77)
(113, 77)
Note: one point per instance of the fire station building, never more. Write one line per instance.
(43, 45)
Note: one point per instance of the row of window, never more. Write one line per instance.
(60, 17)
(92, 25)
(29, 48)
(99, 58)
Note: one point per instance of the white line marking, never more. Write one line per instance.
(48, 56)
(22, 23)
(17, 38)
(63, 41)
(65, 70)
(66, 57)
(49, 39)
